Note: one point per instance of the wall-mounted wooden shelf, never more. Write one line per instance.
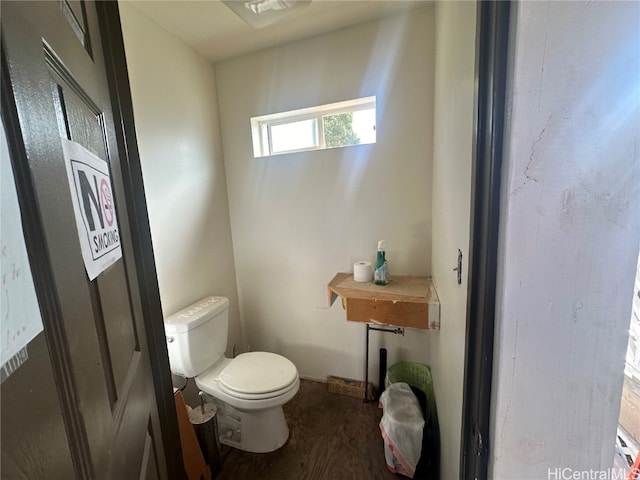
(407, 301)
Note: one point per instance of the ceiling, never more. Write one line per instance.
(217, 33)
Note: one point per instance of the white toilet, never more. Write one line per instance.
(249, 390)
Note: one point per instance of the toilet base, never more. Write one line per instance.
(257, 431)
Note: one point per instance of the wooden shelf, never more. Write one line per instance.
(407, 301)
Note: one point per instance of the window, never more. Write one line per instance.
(341, 124)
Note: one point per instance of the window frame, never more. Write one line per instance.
(261, 126)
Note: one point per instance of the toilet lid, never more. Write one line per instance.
(258, 372)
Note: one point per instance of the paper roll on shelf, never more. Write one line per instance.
(362, 271)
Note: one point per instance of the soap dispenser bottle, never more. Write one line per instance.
(381, 273)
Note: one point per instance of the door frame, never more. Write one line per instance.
(123, 119)
(492, 53)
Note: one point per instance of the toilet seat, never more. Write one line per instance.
(258, 396)
(251, 377)
(257, 375)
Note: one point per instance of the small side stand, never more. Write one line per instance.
(397, 331)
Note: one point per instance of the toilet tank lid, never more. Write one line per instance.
(196, 314)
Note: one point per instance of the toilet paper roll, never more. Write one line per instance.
(362, 271)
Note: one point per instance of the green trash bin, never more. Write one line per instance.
(418, 376)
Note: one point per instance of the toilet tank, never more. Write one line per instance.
(197, 336)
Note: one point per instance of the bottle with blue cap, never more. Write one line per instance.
(381, 272)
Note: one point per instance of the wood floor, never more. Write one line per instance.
(331, 437)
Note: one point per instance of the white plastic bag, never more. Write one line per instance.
(401, 426)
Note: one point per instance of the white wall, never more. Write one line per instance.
(570, 231)
(297, 219)
(452, 164)
(175, 107)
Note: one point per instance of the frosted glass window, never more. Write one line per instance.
(287, 137)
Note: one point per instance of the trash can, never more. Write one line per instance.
(402, 428)
(203, 419)
(418, 376)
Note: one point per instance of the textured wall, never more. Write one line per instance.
(570, 231)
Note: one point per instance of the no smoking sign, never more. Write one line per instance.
(94, 208)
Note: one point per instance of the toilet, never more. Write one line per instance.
(248, 390)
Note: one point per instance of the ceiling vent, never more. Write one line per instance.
(261, 13)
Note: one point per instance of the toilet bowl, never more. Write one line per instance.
(249, 393)
(249, 390)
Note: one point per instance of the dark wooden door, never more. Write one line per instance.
(85, 404)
